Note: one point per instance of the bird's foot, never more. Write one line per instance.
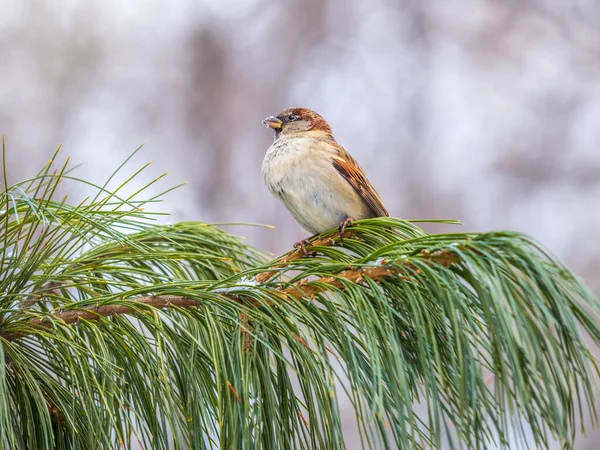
(301, 245)
(349, 221)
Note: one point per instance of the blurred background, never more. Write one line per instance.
(483, 111)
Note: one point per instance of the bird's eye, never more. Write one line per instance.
(293, 117)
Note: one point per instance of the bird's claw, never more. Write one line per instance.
(349, 221)
(301, 245)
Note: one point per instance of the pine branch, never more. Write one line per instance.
(296, 291)
(206, 346)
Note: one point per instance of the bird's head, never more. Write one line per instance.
(297, 120)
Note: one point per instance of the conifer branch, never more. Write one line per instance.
(296, 291)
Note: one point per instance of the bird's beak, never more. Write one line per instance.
(273, 122)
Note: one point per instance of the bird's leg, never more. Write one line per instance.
(303, 243)
(302, 246)
(348, 221)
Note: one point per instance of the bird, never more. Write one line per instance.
(317, 180)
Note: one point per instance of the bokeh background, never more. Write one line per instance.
(483, 111)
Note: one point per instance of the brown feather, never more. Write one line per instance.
(348, 168)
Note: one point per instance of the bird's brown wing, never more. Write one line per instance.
(348, 168)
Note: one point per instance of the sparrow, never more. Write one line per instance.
(317, 180)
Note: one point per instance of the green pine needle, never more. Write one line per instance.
(116, 330)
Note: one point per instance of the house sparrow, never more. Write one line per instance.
(315, 178)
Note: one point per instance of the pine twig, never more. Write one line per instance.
(299, 253)
(50, 287)
(97, 312)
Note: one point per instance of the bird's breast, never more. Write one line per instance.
(279, 163)
(301, 175)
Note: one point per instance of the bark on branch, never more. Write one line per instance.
(97, 312)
